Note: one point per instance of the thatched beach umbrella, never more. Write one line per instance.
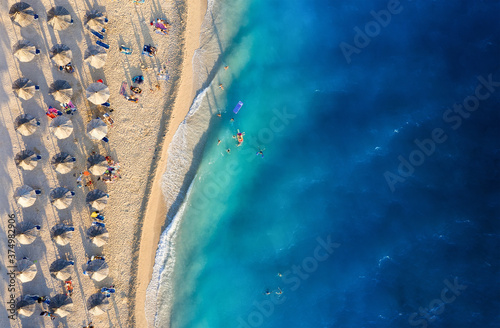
(63, 162)
(97, 129)
(95, 20)
(26, 124)
(26, 270)
(22, 14)
(97, 199)
(26, 232)
(98, 235)
(24, 88)
(61, 54)
(61, 127)
(61, 197)
(26, 196)
(27, 159)
(25, 305)
(97, 164)
(97, 304)
(97, 270)
(25, 51)
(61, 234)
(61, 90)
(98, 93)
(61, 269)
(95, 56)
(59, 17)
(61, 304)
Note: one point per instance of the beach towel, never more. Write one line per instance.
(123, 89)
(52, 112)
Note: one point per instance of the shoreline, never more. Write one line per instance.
(155, 213)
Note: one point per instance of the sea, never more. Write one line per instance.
(366, 191)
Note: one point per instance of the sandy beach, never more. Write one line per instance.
(138, 141)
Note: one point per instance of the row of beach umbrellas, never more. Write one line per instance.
(58, 17)
(61, 127)
(63, 162)
(61, 54)
(62, 304)
(61, 90)
(60, 197)
(61, 234)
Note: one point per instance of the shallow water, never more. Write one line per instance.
(358, 241)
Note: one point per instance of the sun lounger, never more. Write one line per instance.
(125, 50)
(97, 34)
(102, 44)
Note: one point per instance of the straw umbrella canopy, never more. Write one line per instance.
(97, 129)
(98, 93)
(26, 232)
(97, 270)
(61, 304)
(22, 14)
(25, 305)
(97, 164)
(98, 235)
(95, 56)
(61, 54)
(26, 159)
(25, 51)
(61, 269)
(97, 199)
(59, 17)
(61, 197)
(26, 270)
(61, 91)
(61, 234)
(63, 163)
(97, 304)
(95, 20)
(26, 124)
(61, 127)
(24, 88)
(25, 196)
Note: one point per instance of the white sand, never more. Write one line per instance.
(140, 134)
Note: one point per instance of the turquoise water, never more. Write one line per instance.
(357, 243)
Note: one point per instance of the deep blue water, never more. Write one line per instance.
(334, 134)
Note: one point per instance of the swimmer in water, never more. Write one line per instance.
(226, 67)
(279, 292)
(267, 292)
(218, 142)
(219, 115)
(279, 274)
(231, 120)
(228, 150)
(221, 86)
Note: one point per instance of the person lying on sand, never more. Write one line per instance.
(68, 284)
